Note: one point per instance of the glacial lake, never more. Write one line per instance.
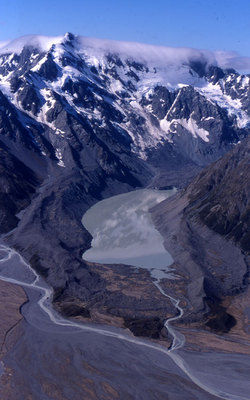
(123, 232)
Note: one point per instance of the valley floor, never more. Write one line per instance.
(102, 367)
(49, 357)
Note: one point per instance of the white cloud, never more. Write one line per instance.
(42, 42)
(231, 59)
(3, 43)
(162, 55)
(154, 55)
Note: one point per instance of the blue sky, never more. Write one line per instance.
(205, 24)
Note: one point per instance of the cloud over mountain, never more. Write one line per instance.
(160, 55)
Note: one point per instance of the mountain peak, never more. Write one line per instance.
(69, 37)
(151, 54)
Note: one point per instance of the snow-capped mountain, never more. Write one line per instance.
(82, 119)
(142, 98)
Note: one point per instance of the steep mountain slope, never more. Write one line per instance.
(220, 196)
(83, 119)
(206, 229)
(18, 185)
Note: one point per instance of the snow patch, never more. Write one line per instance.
(190, 125)
(59, 157)
(233, 106)
(39, 64)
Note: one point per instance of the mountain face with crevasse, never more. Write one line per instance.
(83, 119)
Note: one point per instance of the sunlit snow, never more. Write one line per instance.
(189, 124)
(166, 66)
(233, 106)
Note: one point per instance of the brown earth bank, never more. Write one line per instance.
(12, 297)
(200, 337)
(129, 299)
